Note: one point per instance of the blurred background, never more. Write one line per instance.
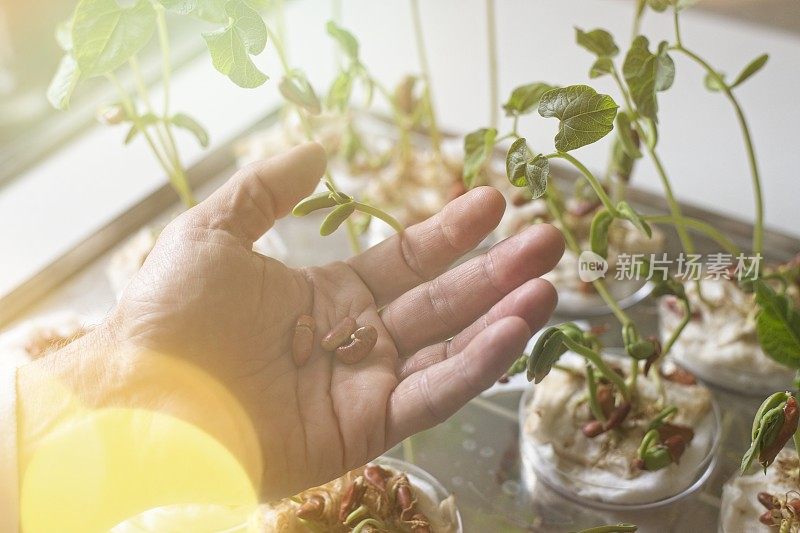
(62, 176)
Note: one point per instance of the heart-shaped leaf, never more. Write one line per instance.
(525, 169)
(598, 232)
(646, 73)
(297, 89)
(598, 41)
(106, 35)
(346, 40)
(525, 98)
(478, 147)
(753, 67)
(232, 46)
(601, 67)
(778, 326)
(189, 124)
(585, 116)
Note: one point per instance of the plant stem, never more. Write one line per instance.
(166, 69)
(436, 136)
(755, 176)
(674, 207)
(553, 205)
(593, 181)
(617, 528)
(594, 358)
(594, 405)
(377, 213)
(175, 174)
(491, 32)
(687, 316)
(699, 226)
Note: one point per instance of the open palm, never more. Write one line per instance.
(444, 336)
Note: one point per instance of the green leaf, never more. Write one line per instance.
(754, 66)
(105, 35)
(296, 89)
(525, 98)
(712, 82)
(548, 349)
(525, 169)
(598, 233)
(63, 83)
(478, 147)
(585, 116)
(186, 122)
(335, 218)
(627, 135)
(598, 41)
(232, 46)
(601, 67)
(320, 200)
(647, 73)
(340, 91)
(778, 326)
(346, 40)
(208, 10)
(628, 213)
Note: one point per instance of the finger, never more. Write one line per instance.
(533, 302)
(249, 203)
(427, 398)
(426, 249)
(440, 308)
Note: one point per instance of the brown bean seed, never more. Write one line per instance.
(363, 341)
(339, 334)
(303, 341)
(312, 509)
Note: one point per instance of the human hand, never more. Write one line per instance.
(204, 296)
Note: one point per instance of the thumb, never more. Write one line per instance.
(248, 204)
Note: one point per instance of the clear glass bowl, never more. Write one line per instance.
(716, 373)
(566, 484)
(424, 481)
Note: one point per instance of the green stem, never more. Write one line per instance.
(699, 226)
(594, 405)
(352, 234)
(674, 207)
(593, 181)
(796, 440)
(554, 206)
(184, 190)
(594, 358)
(491, 32)
(378, 213)
(175, 175)
(687, 316)
(617, 528)
(755, 176)
(436, 136)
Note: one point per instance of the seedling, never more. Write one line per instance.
(102, 38)
(585, 117)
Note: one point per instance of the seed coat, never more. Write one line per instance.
(362, 343)
(303, 341)
(339, 334)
